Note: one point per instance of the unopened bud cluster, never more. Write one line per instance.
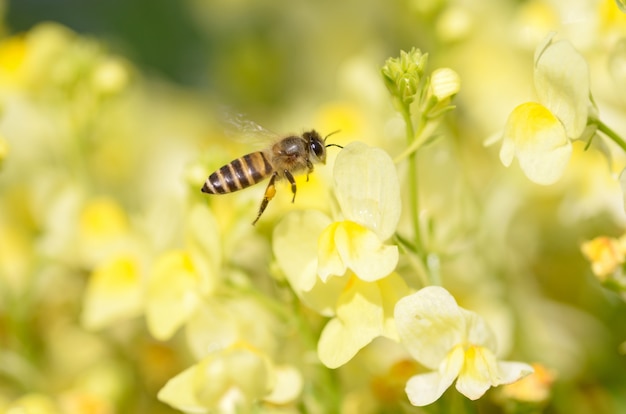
(405, 80)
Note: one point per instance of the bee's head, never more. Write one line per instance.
(317, 145)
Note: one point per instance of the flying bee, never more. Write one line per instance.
(291, 155)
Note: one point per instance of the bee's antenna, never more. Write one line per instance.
(332, 145)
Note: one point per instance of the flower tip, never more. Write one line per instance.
(445, 83)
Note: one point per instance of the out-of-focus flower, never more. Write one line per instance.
(33, 404)
(181, 279)
(539, 135)
(4, 150)
(51, 56)
(84, 402)
(606, 254)
(453, 342)
(621, 5)
(103, 230)
(344, 268)
(115, 292)
(389, 388)
(110, 76)
(535, 387)
(174, 293)
(102, 220)
(230, 380)
(221, 322)
(12, 55)
(288, 386)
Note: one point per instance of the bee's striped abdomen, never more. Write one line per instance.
(238, 174)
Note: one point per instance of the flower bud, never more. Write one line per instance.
(402, 75)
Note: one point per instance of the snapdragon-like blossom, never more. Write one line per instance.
(539, 134)
(454, 343)
(345, 268)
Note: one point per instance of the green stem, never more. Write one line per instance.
(413, 183)
(425, 132)
(602, 127)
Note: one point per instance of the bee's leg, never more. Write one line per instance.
(309, 165)
(292, 181)
(270, 192)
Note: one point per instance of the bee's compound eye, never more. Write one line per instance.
(318, 148)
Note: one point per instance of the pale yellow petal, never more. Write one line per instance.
(364, 253)
(510, 372)
(349, 245)
(295, 246)
(114, 292)
(478, 332)
(204, 246)
(445, 83)
(289, 384)
(368, 189)
(245, 370)
(392, 289)
(479, 373)
(178, 393)
(562, 83)
(425, 389)
(329, 260)
(359, 320)
(34, 403)
(222, 380)
(173, 294)
(212, 327)
(539, 142)
(430, 324)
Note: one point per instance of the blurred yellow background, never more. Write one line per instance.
(113, 113)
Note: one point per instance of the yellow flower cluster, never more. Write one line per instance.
(412, 270)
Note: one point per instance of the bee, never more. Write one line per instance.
(291, 155)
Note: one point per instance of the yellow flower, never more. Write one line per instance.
(173, 293)
(454, 343)
(606, 255)
(228, 380)
(368, 192)
(539, 134)
(182, 279)
(101, 220)
(220, 322)
(344, 268)
(33, 403)
(110, 76)
(535, 387)
(4, 150)
(361, 310)
(295, 247)
(347, 245)
(364, 311)
(114, 292)
(12, 56)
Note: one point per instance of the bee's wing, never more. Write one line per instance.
(239, 127)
